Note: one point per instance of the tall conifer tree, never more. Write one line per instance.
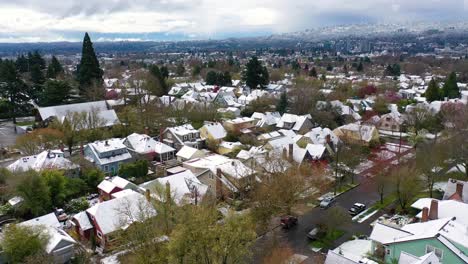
(89, 72)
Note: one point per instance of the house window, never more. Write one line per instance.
(99, 234)
(438, 252)
(388, 251)
(106, 168)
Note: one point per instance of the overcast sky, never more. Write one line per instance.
(57, 20)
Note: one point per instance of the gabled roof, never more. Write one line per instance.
(121, 212)
(51, 226)
(109, 145)
(48, 159)
(298, 121)
(216, 130)
(144, 144)
(83, 220)
(182, 186)
(108, 117)
(186, 152)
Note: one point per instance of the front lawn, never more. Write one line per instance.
(327, 240)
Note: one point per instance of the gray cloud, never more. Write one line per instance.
(210, 17)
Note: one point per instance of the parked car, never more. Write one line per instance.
(357, 208)
(327, 202)
(313, 234)
(288, 221)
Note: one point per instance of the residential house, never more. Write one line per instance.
(48, 159)
(267, 119)
(446, 238)
(299, 124)
(60, 246)
(98, 114)
(239, 125)
(226, 147)
(226, 177)
(188, 153)
(391, 122)
(212, 131)
(109, 186)
(357, 133)
(185, 188)
(82, 226)
(107, 155)
(184, 135)
(110, 217)
(145, 147)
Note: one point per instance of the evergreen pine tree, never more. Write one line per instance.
(450, 88)
(55, 93)
(54, 68)
(433, 92)
(282, 103)
(360, 67)
(89, 72)
(211, 78)
(313, 72)
(22, 64)
(13, 89)
(255, 74)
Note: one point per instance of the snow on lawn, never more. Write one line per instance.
(395, 147)
(385, 155)
(364, 166)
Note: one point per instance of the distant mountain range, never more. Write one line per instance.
(285, 40)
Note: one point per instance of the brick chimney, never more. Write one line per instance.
(285, 153)
(425, 214)
(434, 210)
(147, 131)
(161, 135)
(148, 195)
(291, 151)
(459, 190)
(219, 184)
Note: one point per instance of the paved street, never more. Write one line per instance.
(365, 193)
(7, 134)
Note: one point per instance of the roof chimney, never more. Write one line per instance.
(148, 195)
(291, 150)
(425, 214)
(106, 143)
(434, 210)
(147, 130)
(459, 190)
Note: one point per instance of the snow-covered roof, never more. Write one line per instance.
(121, 212)
(232, 167)
(144, 144)
(446, 209)
(352, 252)
(216, 130)
(186, 152)
(83, 220)
(182, 186)
(48, 159)
(108, 146)
(115, 182)
(45, 220)
(451, 189)
(51, 226)
(363, 131)
(230, 145)
(319, 135)
(183, 129)
(108, 117)
(298, 121)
